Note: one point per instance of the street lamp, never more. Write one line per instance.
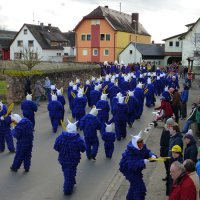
(135, 39)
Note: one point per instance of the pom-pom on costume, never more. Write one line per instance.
(90, 124)
(109, 138)
(132, 163)
(5, 132)
(55, 109)
(29, 108)
(69, 145)
(23, 132)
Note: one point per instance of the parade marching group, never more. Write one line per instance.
(114, 100)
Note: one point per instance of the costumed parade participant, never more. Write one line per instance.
(95, 95)
(104, 108)
(133, 108)
(120, 113)
(72, 96)
(115, 100)
(112, 91)
(139, 95)
(90, 124)
(69, 89)
(5, 132)
(150, 93)
(69, 145)
(79, 106)
(109, 139)
(133, 161)
(23, 132)
(61, 98)
(29, 108)
(87, 89)
(55, 109)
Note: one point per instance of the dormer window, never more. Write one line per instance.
(25, 31)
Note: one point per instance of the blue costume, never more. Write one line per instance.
(23, 132)
(61, 99)
(139, 95)
(79, 107)
(90, 124)
(29, 108)
(103, 114)
(87, 89)
(150, 95)
(109, 138)
(69, 147)
(94, 96)
(55, 109)
(112, 92)
(132, 163)
(120, 113)
(5, 132)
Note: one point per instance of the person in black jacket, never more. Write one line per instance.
(190, 151)
(164, 143)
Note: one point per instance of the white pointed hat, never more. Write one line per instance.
(54, 97)
(94, 111)
(16, 117)
(135, 139)
(121, 99)
(104, 96)
(71, 127)
(109, 127)
(29, 97)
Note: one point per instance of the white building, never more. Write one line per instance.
(47, 43)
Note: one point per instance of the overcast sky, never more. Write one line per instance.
(161, 18)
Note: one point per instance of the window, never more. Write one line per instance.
(88, 37)
(58, 54)
(131, 51)
(107, 37)
(95, 52)
(25, 31)
(17, 56)
(83, 37)
(20, 43)
(106, 52)
(66, 54)
(33, 56)
(102, 36)
(171, 44)
(95, 21)
(85, 52)
(197, 37)
(30, 43)
(177, 43)
(196, 53)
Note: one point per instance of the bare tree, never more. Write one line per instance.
(195, 40)
(29, 57)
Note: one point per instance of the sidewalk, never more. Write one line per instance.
(154, 172)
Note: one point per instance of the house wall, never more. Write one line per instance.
(136, 56)
(189, 47)
(25, 38)
(118, 40)
(173, 48)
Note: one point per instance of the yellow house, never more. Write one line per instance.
(104, 33)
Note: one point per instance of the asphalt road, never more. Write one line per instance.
(45, 179)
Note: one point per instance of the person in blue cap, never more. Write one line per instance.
(69, 144)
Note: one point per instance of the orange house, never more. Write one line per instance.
(104, 33)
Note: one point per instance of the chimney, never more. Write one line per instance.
(106, 6)
(49, 25)
(42, 25)
(135, 19)
(152, 42)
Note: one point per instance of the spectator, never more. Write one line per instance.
(191, 119)
(164, 144)
(198, 163)
(27, 87)
(176, 156)
(190, 151)
(191, 171)
(184, 100)
(47, 86)
(38, 92)
(183, 186)
(197, 118)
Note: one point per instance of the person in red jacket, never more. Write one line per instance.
(183, 187)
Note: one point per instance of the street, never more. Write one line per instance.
(45, 179)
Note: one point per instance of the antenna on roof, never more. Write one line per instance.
(120, 6)
(33, 18)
